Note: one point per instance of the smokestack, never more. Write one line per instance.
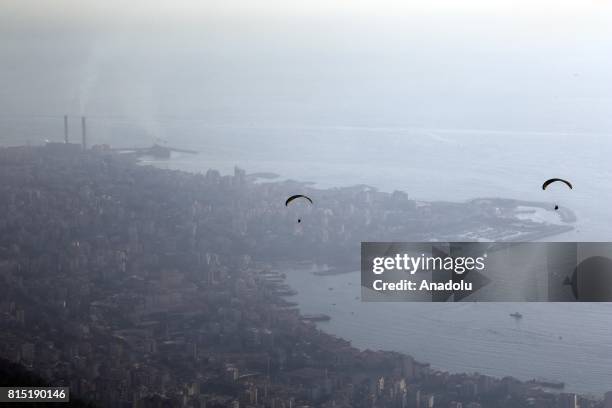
(84, 130)
(66, 129)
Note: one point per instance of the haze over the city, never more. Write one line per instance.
(443, 99)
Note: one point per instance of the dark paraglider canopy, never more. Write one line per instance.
(553, 180)
(293, 197)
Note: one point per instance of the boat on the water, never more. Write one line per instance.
(516, 315)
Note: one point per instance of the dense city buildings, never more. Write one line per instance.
(142, 287)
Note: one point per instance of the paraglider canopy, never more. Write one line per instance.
(553, 180)
(293, 197)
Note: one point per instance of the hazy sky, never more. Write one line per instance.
(534, 64)
(165, 10)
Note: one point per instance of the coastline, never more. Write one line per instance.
(396, 329)
(371, 363)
